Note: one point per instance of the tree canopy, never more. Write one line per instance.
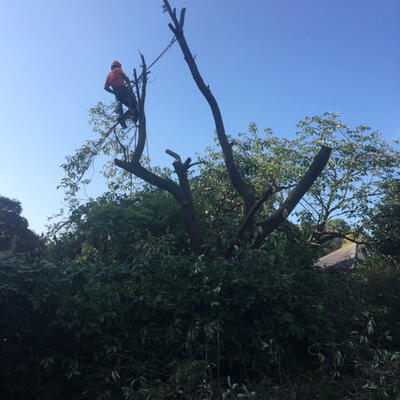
(14, 232)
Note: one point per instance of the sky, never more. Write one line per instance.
(268, 62)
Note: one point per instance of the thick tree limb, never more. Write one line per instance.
(329, 235)
(243, 188)
(277, 218)
(142, 132)
(181, 193)
(141, 172)
(333, 235)
(186, 202)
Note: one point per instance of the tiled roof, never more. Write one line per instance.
(343, 258)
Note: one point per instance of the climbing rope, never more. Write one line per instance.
(173, 40)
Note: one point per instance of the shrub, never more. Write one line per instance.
(170, 326)
(84, 331)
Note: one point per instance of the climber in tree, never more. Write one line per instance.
(121, 88)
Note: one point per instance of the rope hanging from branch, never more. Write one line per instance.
(173, 40)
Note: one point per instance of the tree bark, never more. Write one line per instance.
(305, 183)
(186, 202)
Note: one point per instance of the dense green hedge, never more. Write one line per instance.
(170, 323)
(69, 328)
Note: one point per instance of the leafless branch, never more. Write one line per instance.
(244, 189)
(196, 163)
(328, 235)
(124, 149)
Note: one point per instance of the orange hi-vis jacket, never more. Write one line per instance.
(116, 78)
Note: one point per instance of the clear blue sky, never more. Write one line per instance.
(271, 62)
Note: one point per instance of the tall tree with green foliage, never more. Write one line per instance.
(347, 190)
(129, 158)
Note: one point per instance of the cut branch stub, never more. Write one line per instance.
(182, 18)
(186, 202)
(173, 154)
(172, 29)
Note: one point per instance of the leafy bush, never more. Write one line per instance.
(382, 294)
(386, 223)
(111, 229)
(171, 326)
(85, 331)
(363, 359)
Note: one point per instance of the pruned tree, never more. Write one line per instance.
(182, 193)
(250, 229)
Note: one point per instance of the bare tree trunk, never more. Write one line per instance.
(186, 202)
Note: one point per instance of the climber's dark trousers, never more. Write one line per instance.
(125, 96)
